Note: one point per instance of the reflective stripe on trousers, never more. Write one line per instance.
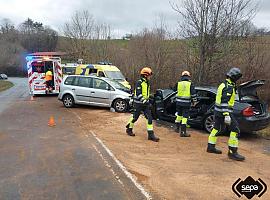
(212, 139)
(149, 127)
(233, 140)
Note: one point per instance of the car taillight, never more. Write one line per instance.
(248, 112)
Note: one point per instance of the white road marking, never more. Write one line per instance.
(124, 169)
(120, 165)
(108, 165)
(77, 115)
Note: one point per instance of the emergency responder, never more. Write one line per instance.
(223, 115)
(49, 81)
(185, 96)
(142, 104)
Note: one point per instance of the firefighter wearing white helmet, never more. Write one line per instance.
(142, 104)
(224, 115)
(185, 95)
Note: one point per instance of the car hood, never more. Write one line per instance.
(249, 88)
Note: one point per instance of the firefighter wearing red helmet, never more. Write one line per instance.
(142, 104)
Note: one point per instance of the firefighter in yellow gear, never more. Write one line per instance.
(142, 104)
(185, 95)
(224, 115)
(49, 80)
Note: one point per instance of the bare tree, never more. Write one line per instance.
(87, 39)
(101, 42)
(78, 30)
(209, 26)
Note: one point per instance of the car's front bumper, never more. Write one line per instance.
(60, 96)
(254, 123)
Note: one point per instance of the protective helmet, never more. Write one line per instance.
(146, 71)
(185, 73)
(234, 74)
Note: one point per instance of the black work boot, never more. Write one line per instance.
(211, 148)
(129, 131)
(233, 154)
(177, 130)
(151, 136)
(183, 132)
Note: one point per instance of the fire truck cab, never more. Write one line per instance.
(37, 65)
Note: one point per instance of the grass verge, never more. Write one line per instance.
(4, 85)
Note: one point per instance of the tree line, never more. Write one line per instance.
(16, 42)
(212, 36)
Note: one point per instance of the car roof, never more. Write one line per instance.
(207, 88)
(91, 75)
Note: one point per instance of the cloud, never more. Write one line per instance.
(125, 16)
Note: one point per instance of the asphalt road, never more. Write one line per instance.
(18, 92)
(42, 162)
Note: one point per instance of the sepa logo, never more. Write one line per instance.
(249, 187)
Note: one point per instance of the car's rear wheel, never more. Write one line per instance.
(209, 123)
(68, 101)
(120, 105)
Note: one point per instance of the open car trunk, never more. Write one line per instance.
(247, 93)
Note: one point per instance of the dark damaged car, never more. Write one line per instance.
(251, 112)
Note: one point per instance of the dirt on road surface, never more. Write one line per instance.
(178, 168)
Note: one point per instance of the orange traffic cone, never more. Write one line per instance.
(51, 121)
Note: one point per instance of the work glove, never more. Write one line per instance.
(227, 120)
(146, 101)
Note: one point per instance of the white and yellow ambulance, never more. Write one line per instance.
(103, 69)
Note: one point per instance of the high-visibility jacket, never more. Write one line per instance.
(225, 97)
(48, 76)
(142, 91)
(185, 91)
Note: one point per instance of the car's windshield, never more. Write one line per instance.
(69, 70)
(117, 85)
(116, 75)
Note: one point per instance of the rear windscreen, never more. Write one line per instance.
(41, 66)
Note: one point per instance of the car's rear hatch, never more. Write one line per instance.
(248, 93)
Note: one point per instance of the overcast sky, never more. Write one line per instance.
(125, 16)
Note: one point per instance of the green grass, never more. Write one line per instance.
(4, 85)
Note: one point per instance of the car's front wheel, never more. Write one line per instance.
(68, 101)
(120, 105)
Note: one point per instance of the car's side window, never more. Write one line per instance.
(100, 84)
(84, 82)
(101, 74)
(202, 93)
(69, 80)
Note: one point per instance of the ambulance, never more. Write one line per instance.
(103, 69)
(37, 65)
(69, 68)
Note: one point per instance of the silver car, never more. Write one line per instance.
(95, 91)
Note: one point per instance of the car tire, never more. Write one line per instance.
(68, 101)
(209, 122)
(120, 105)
